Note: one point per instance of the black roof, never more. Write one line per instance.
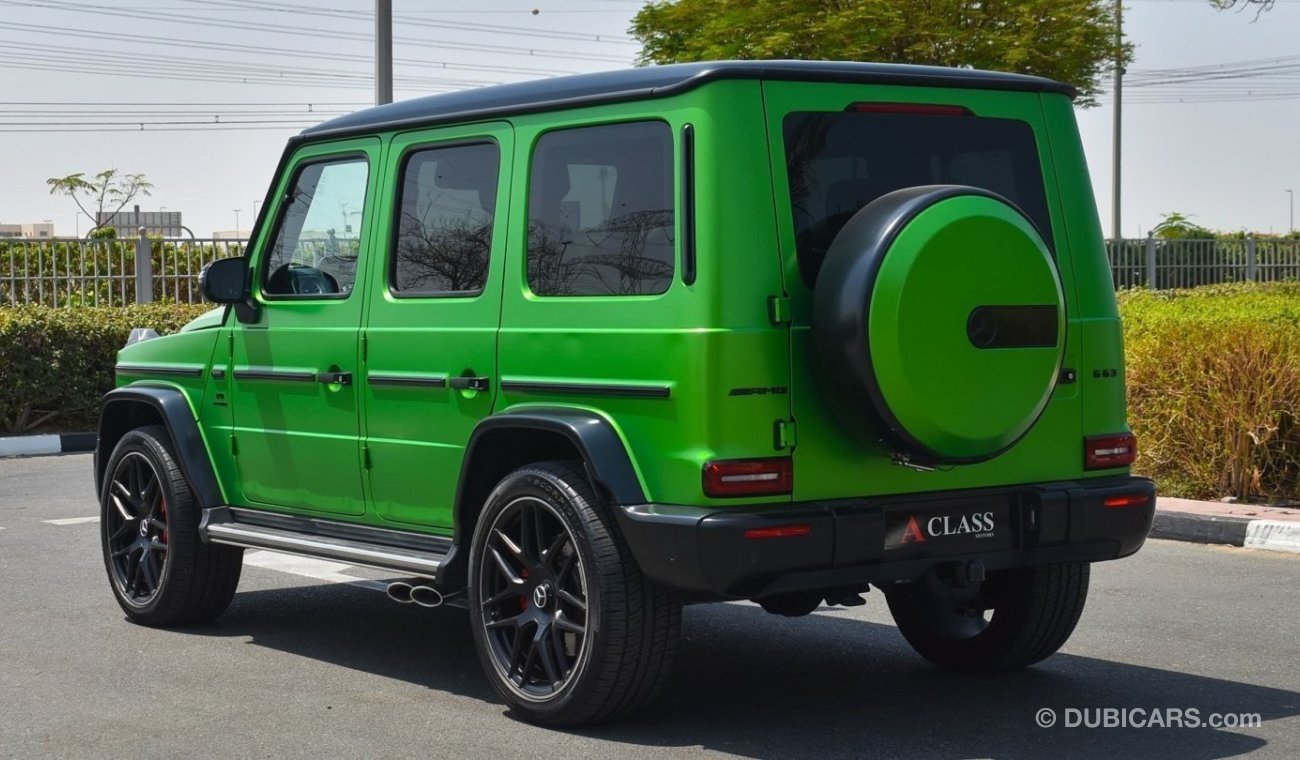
(658, 81)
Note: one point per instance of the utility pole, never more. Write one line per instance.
(236, 222)
(1116, 231)
(383, 52)
(1291, 227)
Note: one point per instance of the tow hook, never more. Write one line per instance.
(969, 574)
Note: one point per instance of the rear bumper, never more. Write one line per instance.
(706, 550)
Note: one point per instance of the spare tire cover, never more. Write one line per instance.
(939, 323)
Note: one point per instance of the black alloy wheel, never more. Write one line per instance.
(159, 568)
(534, 598)
(136, 529)
(567, 628)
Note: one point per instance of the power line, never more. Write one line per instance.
(300, 53)
(452, 25)
(299, 30)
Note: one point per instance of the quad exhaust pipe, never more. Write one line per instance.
(414, 591)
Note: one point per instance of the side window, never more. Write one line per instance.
(600, 211)
(445, 210)
(318, 241)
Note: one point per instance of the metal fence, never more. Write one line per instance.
(1161, 264)
(75, 272)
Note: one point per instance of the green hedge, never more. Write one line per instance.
(1214, 388)
(55, 364)
(1213, 379)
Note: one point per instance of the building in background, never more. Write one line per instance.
(229, 235)
(128, 223)
(32, 230)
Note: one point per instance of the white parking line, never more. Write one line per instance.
(72, 520)
(316, 569)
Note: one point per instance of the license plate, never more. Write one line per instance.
(952, 529)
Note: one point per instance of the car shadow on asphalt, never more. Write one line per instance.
(751, 684)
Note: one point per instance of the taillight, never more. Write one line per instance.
(1103, 451)
(921, 109)
(749, 477)
(1119, 502)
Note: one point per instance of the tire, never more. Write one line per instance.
(160, 571)
(607, 633)
(1033, 612)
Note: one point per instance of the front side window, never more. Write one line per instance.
(600, 211)
(318, 243)
(839, 162)
(444, 225)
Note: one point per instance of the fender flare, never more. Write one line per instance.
(115, 419)
(604, 455)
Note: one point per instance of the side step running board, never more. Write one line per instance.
(415, 554)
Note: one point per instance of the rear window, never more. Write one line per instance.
(839, 162)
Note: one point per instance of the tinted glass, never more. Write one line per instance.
(444, 226)
(600, 211)
(317, 245)
(840, 162)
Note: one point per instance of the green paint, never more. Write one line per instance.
(303, 447)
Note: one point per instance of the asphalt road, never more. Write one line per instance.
(301, 666)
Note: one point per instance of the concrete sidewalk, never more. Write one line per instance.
(1212, 522)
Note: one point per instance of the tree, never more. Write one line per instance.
(1179, 226)
(108, 193)
(1259, 5)
(1069, 40)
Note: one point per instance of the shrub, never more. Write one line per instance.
(55, 364)
(1214, 388)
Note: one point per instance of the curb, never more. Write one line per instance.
(35, 445)
(1275, 535)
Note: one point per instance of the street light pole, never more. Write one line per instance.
(236, 222)
(1115, 230)
(383, 52)
(1291, 226)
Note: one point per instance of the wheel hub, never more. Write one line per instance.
(542, 595)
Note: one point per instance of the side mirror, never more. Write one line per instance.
(225, 280)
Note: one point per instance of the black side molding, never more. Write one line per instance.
(587, 389)
(288, 376)
(158, 369)
(134, 405)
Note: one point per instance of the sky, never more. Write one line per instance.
(221, 84)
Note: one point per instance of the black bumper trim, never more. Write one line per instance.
(704, 550)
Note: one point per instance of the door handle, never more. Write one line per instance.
(469, 383)
(335, 378)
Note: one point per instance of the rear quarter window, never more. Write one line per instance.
(600, 211)
(838, 162)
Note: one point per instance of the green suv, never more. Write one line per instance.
(576, 352)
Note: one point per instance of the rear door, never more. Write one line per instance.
(435, 304)
(837, 147)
